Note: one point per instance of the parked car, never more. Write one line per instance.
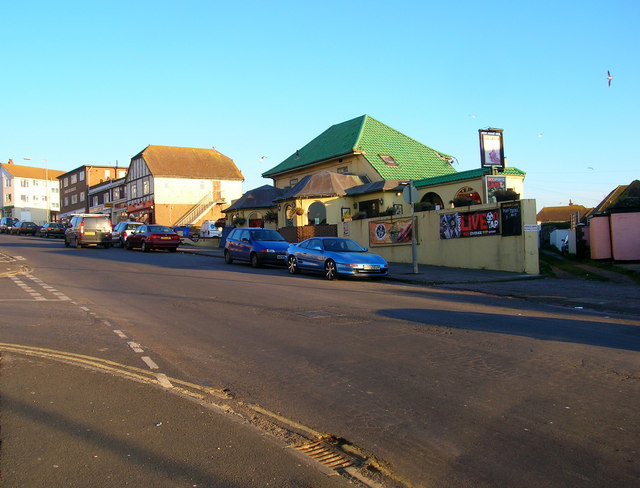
(335, 256)
(88, 230)
(52, 229)
(147, 237)
(6, 223)
(122, 230)
(256, 245)
(25, 227)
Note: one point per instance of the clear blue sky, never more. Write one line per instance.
(95, 82)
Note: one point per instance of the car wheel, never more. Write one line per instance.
(106, 245)
(77, 244)
(173, 249)
(255, 262)
(292, 265)
(128, 245)
(144, 247)
(330, 272)
(227, 257)
(121, 242)
(66, 242)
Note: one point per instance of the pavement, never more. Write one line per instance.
(64, 425)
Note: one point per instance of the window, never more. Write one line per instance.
(95, 201)
(317, 213)
(116, 193)
(107, 174)
(134, 190)
(74, 199)
(293, 181)
(7, 182)
(65, 182)
(66, 201)
(35, 198)
(81, 175)
(7, 198)
(35, 182)
(54, 189)
(343, 169)
(82, 196)
(24, 183)
(74, 179)
(24, 198)
(145, 186)
(388, 160)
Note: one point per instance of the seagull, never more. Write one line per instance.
(609, 77)
(540, 134)
(262, 158)
(590, 167)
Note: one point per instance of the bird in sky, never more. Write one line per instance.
(262, 158)
(540, 134)
(609, 77)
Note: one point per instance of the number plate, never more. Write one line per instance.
(280, 256)
(165, 238)
(89, 233)
(372, 266)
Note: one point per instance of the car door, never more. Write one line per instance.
(312, 257)
(244, 245)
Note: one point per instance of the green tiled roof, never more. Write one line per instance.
(464, 175)
(371, 138)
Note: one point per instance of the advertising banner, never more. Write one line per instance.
(469, 224)
(494, 184)
(396, 232)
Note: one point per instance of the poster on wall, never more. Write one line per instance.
(396, 232)
(511, 219)
(469, 224)
(494, 184)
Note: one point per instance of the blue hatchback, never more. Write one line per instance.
(256, 245)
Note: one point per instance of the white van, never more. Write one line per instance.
(209, 229)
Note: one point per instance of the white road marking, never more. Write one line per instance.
(135, 346)
(119, 333)
(149, 362)
(164, 381)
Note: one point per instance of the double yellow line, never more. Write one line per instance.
(192, 390)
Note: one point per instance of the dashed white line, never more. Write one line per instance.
(135, 346)
(163, 380)
(149, 362)
(119, 333)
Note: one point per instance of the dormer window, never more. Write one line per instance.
(388, 160)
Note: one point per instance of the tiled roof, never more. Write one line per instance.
(560, 214)
(189, 162)
(261, 197)
(18, 171)
(376, 186)
(465, 175)
(322, 184)
(372, 139)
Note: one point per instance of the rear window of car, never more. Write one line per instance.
(266, 235)
(132, 226)
(96, 222)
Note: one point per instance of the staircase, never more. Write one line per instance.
(199, 209)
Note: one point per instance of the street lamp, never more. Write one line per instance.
(46, 177)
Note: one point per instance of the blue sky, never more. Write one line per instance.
(96, 82)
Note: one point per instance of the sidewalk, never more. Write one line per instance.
(622, 296)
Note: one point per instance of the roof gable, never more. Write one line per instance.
(322, 184)
(188, 162)
(373, 139)
(261, 197)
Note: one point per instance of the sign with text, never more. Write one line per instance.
(396, 232)
(494, 184)
(469, 224)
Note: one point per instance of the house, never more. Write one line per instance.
(614, 225)
(180, 186)
(29, 193)
(255, 207)
(75, 184)
(552, 220)
(109, 198)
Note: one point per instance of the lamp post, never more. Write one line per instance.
(46, 177)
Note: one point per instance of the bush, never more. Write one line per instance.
(463, 202)
(505, 195)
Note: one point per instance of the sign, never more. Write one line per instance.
(491, 148)
(410, 193)
(493, 185)
(469, 224)
(511, 219)
(396, 232)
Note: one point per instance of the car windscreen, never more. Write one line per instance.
(132, 226)
(160, 229)
(266, 235)
(342, 245)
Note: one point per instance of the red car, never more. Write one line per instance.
(147, 237)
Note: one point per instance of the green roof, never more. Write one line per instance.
(465, 175)
(372, 139)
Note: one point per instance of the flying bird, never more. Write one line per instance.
(609, 77)
(262, 158)
(540, 134)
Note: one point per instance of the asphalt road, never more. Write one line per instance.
(443, 387)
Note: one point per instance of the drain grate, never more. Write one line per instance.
(324, 454)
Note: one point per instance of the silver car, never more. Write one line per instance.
(122, 230)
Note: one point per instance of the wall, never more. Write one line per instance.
(357, 165)
(557, 236)
(625, 230)
(600, 237)
(514, 253)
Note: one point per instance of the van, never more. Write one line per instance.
(88, 230)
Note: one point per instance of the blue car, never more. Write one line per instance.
(257, 245)
(335, 256)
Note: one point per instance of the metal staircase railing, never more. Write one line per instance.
(199, 209)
